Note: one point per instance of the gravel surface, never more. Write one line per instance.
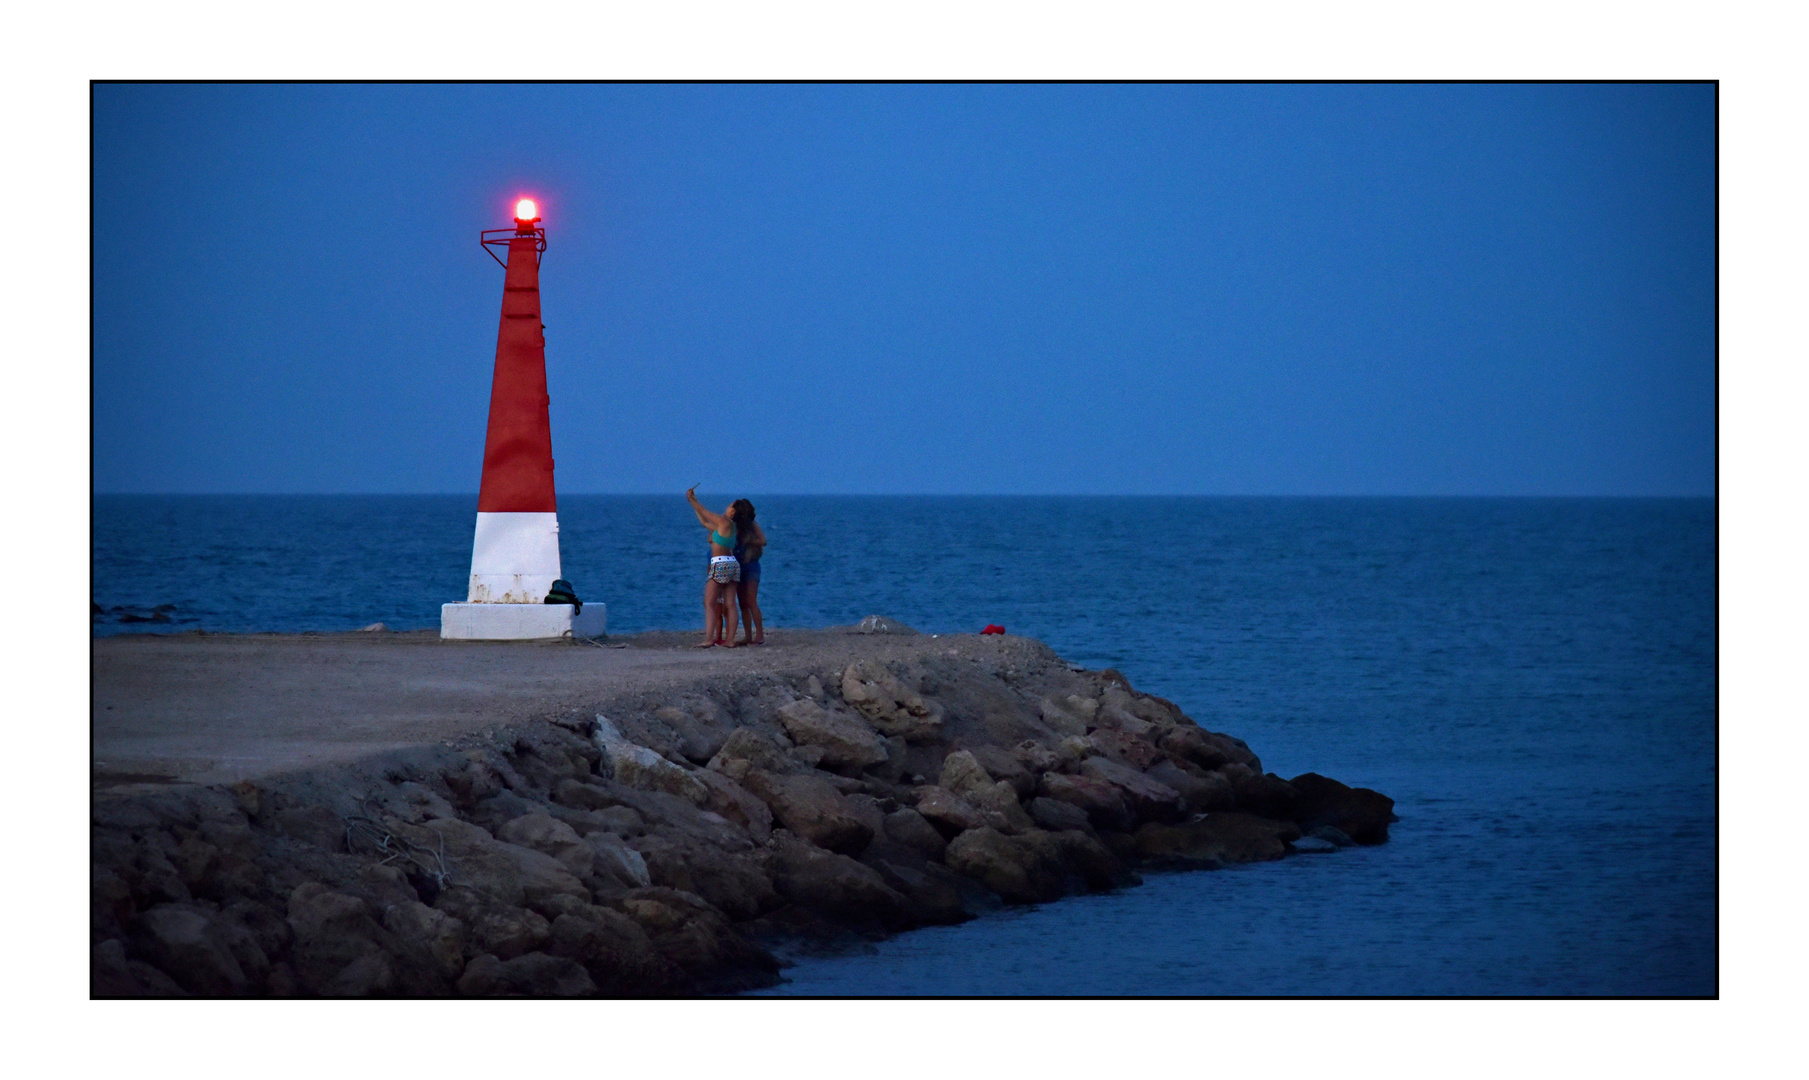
(219, 708)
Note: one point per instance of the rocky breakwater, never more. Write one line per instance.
(667, 845)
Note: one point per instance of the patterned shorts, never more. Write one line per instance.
(724, 569)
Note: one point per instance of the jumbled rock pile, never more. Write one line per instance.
(665, 849)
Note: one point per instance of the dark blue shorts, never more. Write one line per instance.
(750, 571)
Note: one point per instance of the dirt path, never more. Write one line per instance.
(223, 708)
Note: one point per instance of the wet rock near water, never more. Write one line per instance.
(674, 849)
(131, 613)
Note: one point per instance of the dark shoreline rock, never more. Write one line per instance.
(669, 851)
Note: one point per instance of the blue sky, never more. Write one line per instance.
(1093, 289)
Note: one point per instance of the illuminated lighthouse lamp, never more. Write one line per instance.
(515, 548)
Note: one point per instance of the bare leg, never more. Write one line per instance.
(712, 613)
(728, 614)
(749, 595)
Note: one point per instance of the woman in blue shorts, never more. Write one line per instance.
(750, 542)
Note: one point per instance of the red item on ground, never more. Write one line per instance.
(993, 628)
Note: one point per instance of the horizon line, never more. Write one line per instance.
(924, 495)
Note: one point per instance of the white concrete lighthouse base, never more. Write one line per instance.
(521, 622)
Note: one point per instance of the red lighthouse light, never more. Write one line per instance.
(525, 210)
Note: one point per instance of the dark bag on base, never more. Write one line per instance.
(561, 593)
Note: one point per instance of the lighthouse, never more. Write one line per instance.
(515, 549)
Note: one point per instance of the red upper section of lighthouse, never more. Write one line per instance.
(518, 449)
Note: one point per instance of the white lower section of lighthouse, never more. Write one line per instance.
(514, 562)
(514, 558)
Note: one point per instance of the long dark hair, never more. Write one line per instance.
(744, 517)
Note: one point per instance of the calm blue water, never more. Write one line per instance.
(1533, 681)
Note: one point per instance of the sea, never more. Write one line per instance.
(1532, 680)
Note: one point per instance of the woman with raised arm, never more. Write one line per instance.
(721, 575)
(750, 541)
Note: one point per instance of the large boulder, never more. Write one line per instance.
(315, 825)
(371, 975)
(696, 937)
(1069, 715)
(911, 829)
(184, 943)
(421, 801)
(1004, 765)
(1265, 795)
(534, 974)
(616, 951)
(615, 866)
(1003, 811)
(747, 748)
(1036, 759)
(193, 857)
(869, 809)
(1236, 749)
(891, 706)
(479, 979)
(657, 808)
(380, 885)
(503, 930)
(1360, 813)
(1006, 865)
(639, 767)
(541, 766)
(266, 926)
(1185, 742)
(1055, 816)
(1073, 750)
(231, 872)
(1118, 712)
(1131, 751)
(620, 820)
(576, 794)
(1203, 790)
(506, 806)
(847, 744)
(810, 806)
(509, 873)
(428, 938)
(1215, 840)
(112, 974)
(332, 931)
(948, 812)
(1138, 714)
(1103, 802)
(1157, 710)
(700, 726)
(933, 891)
(472, 782)
(110, 904)
(1148, 799)
(736, 804)
(837, 887)
(1081, 861)
(1097, 865)
(963, 775)
(735, 884)
(249, 944)
(552, 837)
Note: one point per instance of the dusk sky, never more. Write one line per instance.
(1069, 289)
